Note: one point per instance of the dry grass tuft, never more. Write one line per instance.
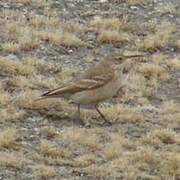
(158, 136)
(49, 131)
(28, 41)
(59, 38)
(11, 160)
(159, 58)
(15, 67)
(169, 107)
(5, 98)
(10, 47)
(174, 63)
(145, 157)
(106, 23)
(13, 30)
(8, 138)
(100, 172)
(72, 27)
(50, 149)
(12, 114)
(170, 165)
(162, 38)
(42, 171)
(120, 113)
(84, 160)
(108, 36)
(71, 40)
(117, 146)
(152, 71)
(78, 134)
(170, 114)
(41, 21)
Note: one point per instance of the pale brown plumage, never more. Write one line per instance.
(95, 85)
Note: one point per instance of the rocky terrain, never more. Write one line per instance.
(44, 43)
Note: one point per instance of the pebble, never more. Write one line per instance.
(134, 8)
(103, 1)
(171, 16)
(70, 51)
(12, 57)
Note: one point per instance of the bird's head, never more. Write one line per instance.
(119, 59)
(123, 63)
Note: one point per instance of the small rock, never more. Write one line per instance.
(12, 57)
(171, 16)
(102, 1)
(172, 49)
(70, 51)
(134, 8)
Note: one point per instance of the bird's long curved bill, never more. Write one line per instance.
(133, 56)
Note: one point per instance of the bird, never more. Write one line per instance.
(95, 85)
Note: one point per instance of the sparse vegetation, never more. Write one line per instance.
(43, 172)
(44, 44)
(8, 138)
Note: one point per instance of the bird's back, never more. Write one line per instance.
(103, 68)
(94, 78)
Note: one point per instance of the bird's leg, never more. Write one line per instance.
(79, 110)
(102, 115)
(79, 118)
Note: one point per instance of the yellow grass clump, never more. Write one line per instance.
(118, 145)
(11, 47)
(158, 136)
(50, 149)
(11, 114)
(120, 113)
(174, 63)
(15, 66)
(152, 71)
(12, 160)
(106, 23)
(169, 107)
(108, 36)
(39, 21)
(8, 138)
(67, 39)
(42, 171)
(78, 134)
(84, 160)
(170, 165)
(50, 131)
(161, 38)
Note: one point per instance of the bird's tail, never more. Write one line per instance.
(46, 95)
(40, 98)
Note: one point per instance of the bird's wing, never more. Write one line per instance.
(83, 84)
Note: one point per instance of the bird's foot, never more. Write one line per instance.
(78, 121)
(87, 125)
(107, 123)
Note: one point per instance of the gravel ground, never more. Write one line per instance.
(47, 144)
